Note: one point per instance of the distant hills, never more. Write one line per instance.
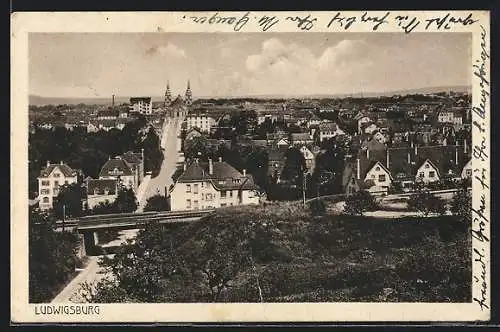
(39, 100)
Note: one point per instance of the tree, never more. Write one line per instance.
(317, 207)
(52, 258)
(295, 166)
(359, 202)
(126, 201)
(425, 203)
(461, 205)
(157, 203)
(68, 202)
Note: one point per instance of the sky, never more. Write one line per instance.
(244, 64)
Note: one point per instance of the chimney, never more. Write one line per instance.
(358, 170)
(48, 163)
(113, 102)
(210, 167)
(387, 158)
(465, 145)
(456, 155)
(61, 162)
(244, 172)
(411, 143)
(367, 153)
(416, 150)
(142, 154)
(220, 159)
(184, 167)
(409, 158)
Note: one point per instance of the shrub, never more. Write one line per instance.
(425, 203)
(317, 207)
(359, 202)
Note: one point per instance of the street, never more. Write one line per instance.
(169, 142)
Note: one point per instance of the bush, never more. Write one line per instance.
(359, 202)
(425, 203)
(317, 207)
(157, 203)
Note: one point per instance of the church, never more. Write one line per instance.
(178, 106)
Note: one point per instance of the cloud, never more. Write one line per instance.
(299, 69)
(170, 49)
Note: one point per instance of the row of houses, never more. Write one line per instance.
(378, 170)
(124, 171)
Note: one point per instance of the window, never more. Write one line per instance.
(195, 189)
(230, 193)
(45, 183)
(381, 178)
(57, 175)
(222, 204)
(432, 174)
(188, 203)
(56, 183)
(427, 166)
(468, 172)
(195, 205)
(45, 191)
(421, 174)
(188, 188)
(377, 168)
(66, 182)
(45, 199)
(208, 197)
(223, 194)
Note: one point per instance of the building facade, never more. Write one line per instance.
(51, 178)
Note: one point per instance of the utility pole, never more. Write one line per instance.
(304, 187)
(64, 216)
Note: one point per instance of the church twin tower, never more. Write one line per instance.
(188, 96)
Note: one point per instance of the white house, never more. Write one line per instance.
(51, 178)
(427, 172)
(361, 121)
(206, 185)
(467, 170)
(118, 169)
(328, 130)
(380, 175)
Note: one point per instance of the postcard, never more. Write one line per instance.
(188, 167)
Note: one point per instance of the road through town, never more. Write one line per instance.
(170, 144)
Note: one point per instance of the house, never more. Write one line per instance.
(100, 191)
(301, 138)
(261, 118)
(328, 130)
(361, 122)
(276, 162)
(379, 137)
(314, 120)
(51, 178)
(369, 128)
(135, 162)
(142, 105)
(118, 169)
(427, 172)
(200, 121)
(281, 143)
(309, 157)
(108, 114)
(92, 127)
(207, 185)
(467, 170)
(454, 116)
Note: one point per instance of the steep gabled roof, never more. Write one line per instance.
(65, 170)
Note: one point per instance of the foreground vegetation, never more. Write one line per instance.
(284, 253)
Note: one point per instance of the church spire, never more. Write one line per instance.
(168, 95)
(189, 94)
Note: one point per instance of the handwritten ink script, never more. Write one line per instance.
(337, 21)
(480, 215)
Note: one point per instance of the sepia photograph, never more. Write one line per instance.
(278, 167)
